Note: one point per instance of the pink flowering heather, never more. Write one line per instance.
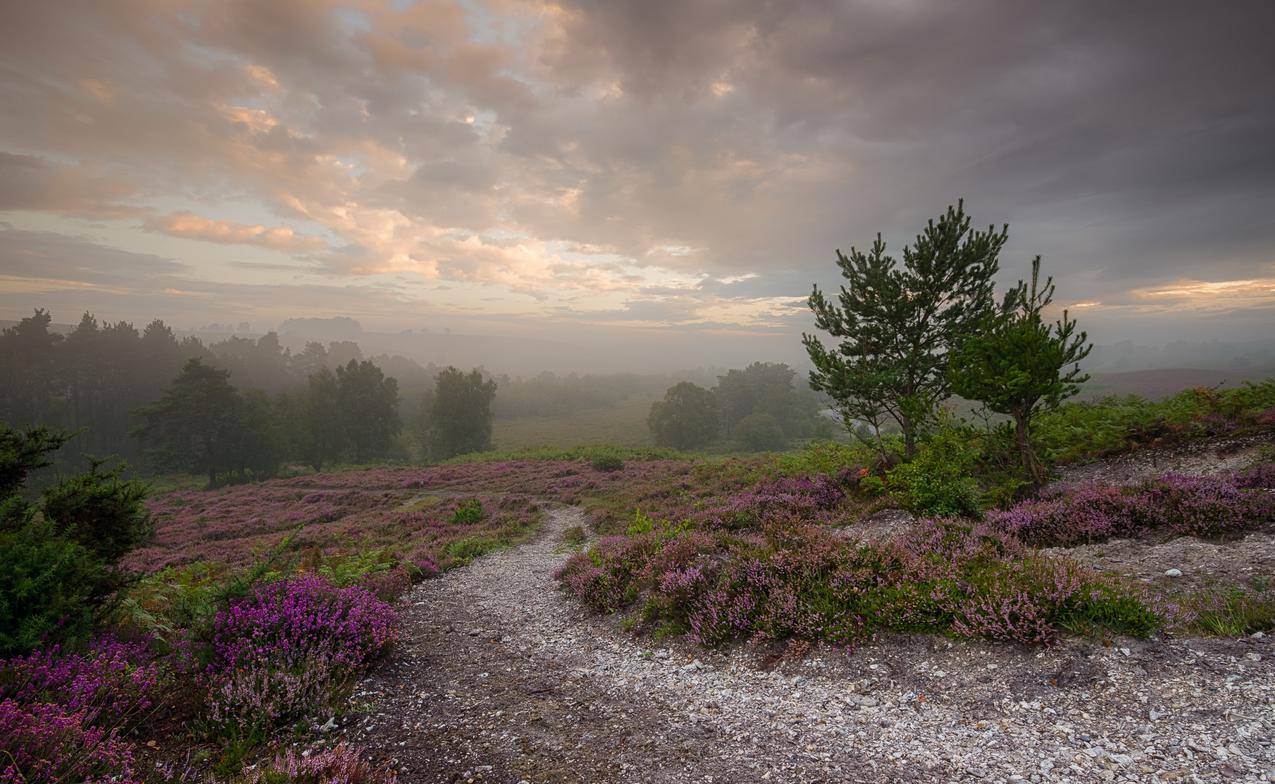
(111, 684)
(1171, 504)
(46, 742)
(290, 646)
(339, 765)
(795, 580)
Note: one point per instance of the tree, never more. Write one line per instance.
(1018, 363)
(195, 425)
(761, 432)
(101, 510)
(460, 416)
(368, 405)
(895, 325)
(60, 554)
(766, 388)
(687, 417)
(322, 430)
(29, 384)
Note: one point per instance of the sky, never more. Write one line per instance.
(669, 178)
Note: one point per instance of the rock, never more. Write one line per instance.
(1173, 573)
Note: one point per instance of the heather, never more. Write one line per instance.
(48, 742)
(417, 515)
(338, 765)
(1168, 505)
(111, 682)
(290, 649)
(788, 579)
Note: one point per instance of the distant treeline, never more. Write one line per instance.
(133, 393)
(95, 379)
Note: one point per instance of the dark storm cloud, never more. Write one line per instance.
(1148, 129)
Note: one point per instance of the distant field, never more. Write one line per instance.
(1155, 384)
(623, 425)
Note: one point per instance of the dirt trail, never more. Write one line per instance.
(501, 678)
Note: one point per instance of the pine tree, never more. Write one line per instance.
(895, 325)
(1017, 364)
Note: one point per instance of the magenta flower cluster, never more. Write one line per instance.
(64, 717)
(1171, 504)
(112, 683)
(47, 742)
(290, 646)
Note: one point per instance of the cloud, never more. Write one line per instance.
(190, 226)
(698, 161)
(28, 182)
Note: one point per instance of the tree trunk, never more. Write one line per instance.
(1022, 436)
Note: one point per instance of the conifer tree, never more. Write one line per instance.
(894, 325)
(1018, 364)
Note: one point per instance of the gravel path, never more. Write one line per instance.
(500, 678)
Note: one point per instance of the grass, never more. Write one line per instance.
(623, 425)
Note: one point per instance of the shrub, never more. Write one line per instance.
(823, 457)
(469, 512)
(1231, 612)
(339, 765)
(101, 510)
(111, 684)
(800, 581)
(608, 463)
(290, 648)
(938, 480)
(46, 742)
(1170, 504)
(1260, 476)
(53, 589)
(574, 536)
(465, 550)
(1076, 431)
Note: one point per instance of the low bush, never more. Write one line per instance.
(468, 512)
(1082, 430)
(1230, 612)
(574, 536)
(795, 580)
(1172, 504)
(289, 650)
(339, 765)
(112, 683)
(823, 457)
(939, 480)
(463, 551)
(47, 742)
(608, 463)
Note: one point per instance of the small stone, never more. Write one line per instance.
(1173, 573)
